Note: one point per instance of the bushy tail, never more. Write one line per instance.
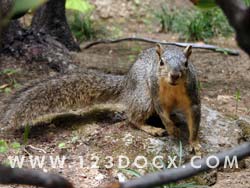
(59, 94)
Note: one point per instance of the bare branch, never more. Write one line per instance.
(185, 171)
(10, 175)
(180, 44)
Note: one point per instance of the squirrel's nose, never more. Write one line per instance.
(174, 77)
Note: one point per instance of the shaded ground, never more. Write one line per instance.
(220, 76)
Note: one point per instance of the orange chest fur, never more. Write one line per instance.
(172, 97)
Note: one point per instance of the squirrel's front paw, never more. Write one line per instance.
(195, 147)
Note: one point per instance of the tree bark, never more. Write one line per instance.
(42, 43)
(5, 30)
(9, 33)
(51, 19)
(5, 7)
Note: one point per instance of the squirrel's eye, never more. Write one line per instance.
(161, 62)
(186, 63)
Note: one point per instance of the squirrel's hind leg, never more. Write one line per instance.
(139, 110)
(138, 120)
(154, 131)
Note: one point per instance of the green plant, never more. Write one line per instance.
(79, 5)
(194, 24)
(26, 134)
(200, 85)
(131, 172)
(11, 81)
(3, 146)
(131, 58)
(198, 28)
(81, 24)
(153, 169)
(84, 28)
(62, 145)
(237, 99)
(15, 145)
(247, 2)
(166, 19)
(208, 23)
(9, 72)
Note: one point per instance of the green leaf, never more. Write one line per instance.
(3, 146)
(16, 145)
(16, 85)
(7, 90)
(247, 3)
(131, 172)
(24, 5)
(62, 145)
(9, 71)
(79, 5)
(237, 95)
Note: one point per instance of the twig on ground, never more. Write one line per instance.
(37, 149)
(26, 151)
(180, 44)
(22, 176)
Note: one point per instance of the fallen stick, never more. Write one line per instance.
(180, 44)
(186, 170)
(21, 176)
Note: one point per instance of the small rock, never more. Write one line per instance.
(121, 177)
(99, 177)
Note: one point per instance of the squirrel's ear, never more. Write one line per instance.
(159, 50)
(188, 51)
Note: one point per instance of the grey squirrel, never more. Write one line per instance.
(161, 80)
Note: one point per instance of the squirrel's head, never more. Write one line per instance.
(173, 64)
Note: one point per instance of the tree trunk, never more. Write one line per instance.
(47, 41)
(7, 31)
(51, 19)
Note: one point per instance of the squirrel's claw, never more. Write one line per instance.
(154, 131)
(196, 148)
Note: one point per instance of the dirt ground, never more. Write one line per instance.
(220, 76)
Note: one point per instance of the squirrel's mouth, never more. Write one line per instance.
(173, 83)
